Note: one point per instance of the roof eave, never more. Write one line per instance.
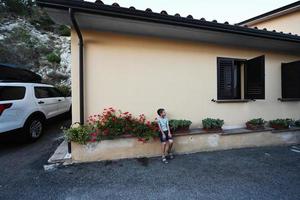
(93, 8)
(272, 14)
(132, 21)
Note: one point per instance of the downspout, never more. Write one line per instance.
(81, 82)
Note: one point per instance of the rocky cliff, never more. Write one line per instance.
(32, 41)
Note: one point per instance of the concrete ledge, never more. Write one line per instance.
(286, 130)
(186, 143)
(61, 154)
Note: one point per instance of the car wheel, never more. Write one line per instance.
(69, 113)
(34, 128)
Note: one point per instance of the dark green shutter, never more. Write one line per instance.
(290, 80)
(225, 78)
(255, 78)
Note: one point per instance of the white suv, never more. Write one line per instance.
(27, 105)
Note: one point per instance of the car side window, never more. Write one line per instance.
(56, 93)
(42, 92)
(12, 93)
(46, 92)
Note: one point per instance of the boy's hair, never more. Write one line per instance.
(159, 111)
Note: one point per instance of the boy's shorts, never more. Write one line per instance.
(167, 138)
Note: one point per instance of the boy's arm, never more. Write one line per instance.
(169, 131)
(162, 132)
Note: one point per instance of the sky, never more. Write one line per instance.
(232, 11)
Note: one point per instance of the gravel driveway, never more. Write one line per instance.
(261, 173)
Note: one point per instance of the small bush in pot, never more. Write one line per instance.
(297, 123)
(254, 124)
(179, 125)
(281, 123)
(80, 134)
(210, 124)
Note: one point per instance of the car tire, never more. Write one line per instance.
(34, 128)
(69, 113)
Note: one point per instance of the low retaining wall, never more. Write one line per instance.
(183, 143)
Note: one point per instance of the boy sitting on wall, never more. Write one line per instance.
(164, 135)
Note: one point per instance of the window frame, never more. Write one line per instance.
(242, 78)
(239, 88)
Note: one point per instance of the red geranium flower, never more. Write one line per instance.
(93, 140)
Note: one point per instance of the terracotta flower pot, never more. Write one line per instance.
(182, 129)
(213, 130)
(254, 126)
(127, 135)
(278, 127)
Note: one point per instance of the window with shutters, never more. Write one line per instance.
(241, 79)
(290, 80)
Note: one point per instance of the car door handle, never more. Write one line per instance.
(59, 99)
(41, 102)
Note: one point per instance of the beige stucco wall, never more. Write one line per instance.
(288, 23)
(141, 74)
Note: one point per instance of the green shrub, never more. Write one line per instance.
(42, 21)
(179, 124)
(64, 31)
(79, 134)
(210, 123)
(64, 89)
(44, 49)
(282, 123)
(20, 34)
(257, 121)
(16, 6)
(53, 58)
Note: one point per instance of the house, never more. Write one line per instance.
(285, 19)
(139, 61)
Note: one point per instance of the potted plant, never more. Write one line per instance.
(297, 123)
(210, 124)
(180, 125)
(255, 124)
(80, 134)
(279, 124)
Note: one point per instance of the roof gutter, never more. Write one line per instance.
(81, 81)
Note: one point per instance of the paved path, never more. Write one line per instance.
(264, 173)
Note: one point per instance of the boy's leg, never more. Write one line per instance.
(170, 145)
(164, 152)
(163, 149)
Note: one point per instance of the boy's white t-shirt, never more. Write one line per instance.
(163, 123)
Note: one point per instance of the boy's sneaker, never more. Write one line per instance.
(170, 156)
(164, 160)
